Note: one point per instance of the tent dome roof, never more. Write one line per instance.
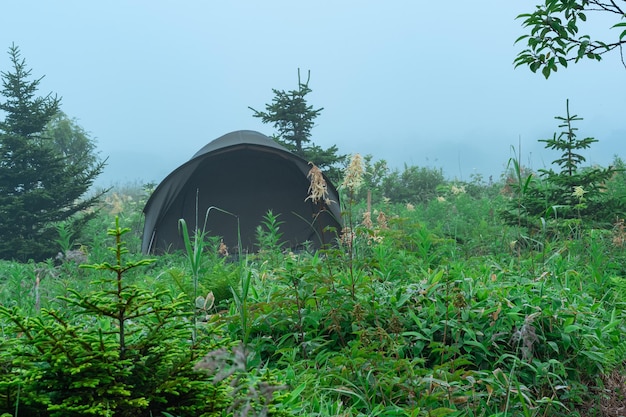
(239, 137)
(243, 175)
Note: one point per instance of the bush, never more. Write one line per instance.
(413, 184)
(120, 350)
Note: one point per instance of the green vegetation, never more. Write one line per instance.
(425, 307)
(566, 201)
(123, 345)
(47, 165)
(438, 297)
(554, 36)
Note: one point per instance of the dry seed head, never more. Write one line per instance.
(358, 312)
(78, 256)
(354, 173)
(619, 233)
(222, 249)
(395, 325)
(382, 220)
(367, 220)
(318, 190)
(347, 236)
(116, 202)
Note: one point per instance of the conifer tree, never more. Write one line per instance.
(571, 197)
(39, 185)
(294, 118)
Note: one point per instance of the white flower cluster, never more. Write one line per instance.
(354, 174)
(457, 190)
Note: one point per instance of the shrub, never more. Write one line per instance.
(121, 350)
(413, 184)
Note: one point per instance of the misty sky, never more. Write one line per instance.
(417, 83)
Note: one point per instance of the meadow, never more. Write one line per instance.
(429, 308)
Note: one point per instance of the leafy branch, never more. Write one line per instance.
(554, 39)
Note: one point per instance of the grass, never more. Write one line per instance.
(435, 310)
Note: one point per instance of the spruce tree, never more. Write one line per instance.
(39, 185)
(570, 198)
(294, 118)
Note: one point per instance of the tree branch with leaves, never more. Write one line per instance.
(555, 37)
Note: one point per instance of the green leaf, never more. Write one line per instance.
(416, 335)
(594, 356)
(527, 183)
(554, 346)
(476, 344)
(572, 328)
(294, 395)
(440, 412)
(612, 324)
(534, 66)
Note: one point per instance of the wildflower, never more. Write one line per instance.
(382, 220)
(222, 249)
(619, 233)
(354, 174)
(116, 203)
(441, 199)
(318, 190)
(78, 256)
(367, 220)
(579, 192)
(347, 237)
(410, 207)
(457, 190)
(375, 238)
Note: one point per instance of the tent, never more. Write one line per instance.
(231, 184)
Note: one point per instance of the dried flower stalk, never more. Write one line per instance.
(318, 190)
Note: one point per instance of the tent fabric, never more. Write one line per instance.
(245, 174)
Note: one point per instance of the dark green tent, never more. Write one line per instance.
(246, 174)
